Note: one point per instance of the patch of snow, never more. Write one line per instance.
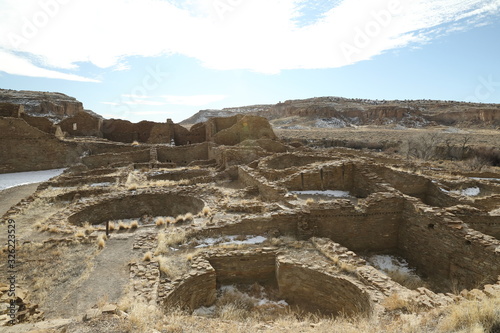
(471, 191)
(8, 180)
(490, 179)
(250, 240)
(330, 123)
(328, 193)
(100, 184)
(388, 263)
(204, 311)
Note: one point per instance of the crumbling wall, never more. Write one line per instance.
(42, 123)
(82, 124)
(267, 190)
(183, 155)
(440, 247)
(25, 148)
(11, 110)
(109, 159)
(245, 128)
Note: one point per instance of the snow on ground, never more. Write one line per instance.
(231, 240)
(388, 263)
(258, 298)
(328, 193)
(468, 192)
(8, 180)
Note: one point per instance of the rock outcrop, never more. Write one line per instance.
(342, 112)
(48, 104)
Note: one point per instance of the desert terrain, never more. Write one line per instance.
(320, 215)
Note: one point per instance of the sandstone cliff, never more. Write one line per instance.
(55, 106)
(334, 112)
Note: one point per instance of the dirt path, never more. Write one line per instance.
(11, 196)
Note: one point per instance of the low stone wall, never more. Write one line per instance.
(183, 155)
(106, 160)
(267, 191)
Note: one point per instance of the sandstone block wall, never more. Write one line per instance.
(245, 268)
(109, 159)
(25, 148)
(193, 292)
(82, 124)
(267, 190)
(314, 291)
(439, 246)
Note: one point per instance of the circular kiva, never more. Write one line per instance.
(136, 206)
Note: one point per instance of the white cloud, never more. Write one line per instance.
(259, 35)
(196, 100)
(17, 65)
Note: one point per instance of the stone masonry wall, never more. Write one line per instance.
(442, 247)
(314, 290)
(245, 268)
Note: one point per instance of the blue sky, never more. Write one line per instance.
(158, 59)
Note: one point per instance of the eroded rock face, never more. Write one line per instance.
(37, 103)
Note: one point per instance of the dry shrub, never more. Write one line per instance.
(410, 281)
(188, 217)
(395, 302)
(101, 242)
(179, 219)
(234, 305)
(206, 211)
(310, 201)
(472, 316)
(80, 234)
(144, 318)
(171, 238)
(122, 226)
(169, 220)
(159, 221)
(148, 256)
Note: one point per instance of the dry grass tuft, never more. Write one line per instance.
(472, 316)
(148, 256)
(410, 281)
(188, 217)
(310, 201)
(206, 211)
(169, 220)
(173, 267)
(395, 302)
(122, 226)
(101, 242)
(111, 226)
(171, 238)
(80, 234)
(134, 224)
(347, 267)
(144, 318)
(160, 221)
(179, 219)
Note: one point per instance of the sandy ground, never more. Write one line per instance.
(11, 196)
